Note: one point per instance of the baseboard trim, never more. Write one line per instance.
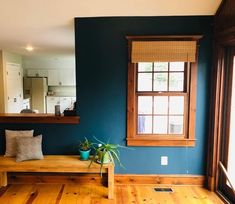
(120, 179)
(159, 179)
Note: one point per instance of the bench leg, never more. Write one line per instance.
(3, 179)
(110, 182)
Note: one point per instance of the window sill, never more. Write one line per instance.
(38, 118)
(160, 142)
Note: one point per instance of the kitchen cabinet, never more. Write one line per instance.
(64, 102)
(61, 77)
(51, 102)
(37, 73)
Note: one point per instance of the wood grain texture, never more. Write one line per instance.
(51, 163)
(3, 179)
(56, 163)
(129, 179)
(91, 194)
(38, 118)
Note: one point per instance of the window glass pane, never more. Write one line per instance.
(176, 124)
(145, 66)
(144, 124)
(161, 66)
(160, 104)
(176, 105)
(176, 66)
(145, 105)
(160, 81)
(160, 125)
(145, 82)
(176, 82)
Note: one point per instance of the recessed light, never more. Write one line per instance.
(29, 48)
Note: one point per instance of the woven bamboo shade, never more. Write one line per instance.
(163, 51)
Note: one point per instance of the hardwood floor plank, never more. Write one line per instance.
(97, 194)
(160, 197)
(205, 196)
(70, 194)
(146, 195)
(32, 197)
(3, 190)
(60, 194)
(16, 194)
(47, 194)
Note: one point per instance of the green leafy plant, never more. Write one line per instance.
(85, 145)
(105, 153)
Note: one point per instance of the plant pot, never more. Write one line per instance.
(106, 158)
(84, 154)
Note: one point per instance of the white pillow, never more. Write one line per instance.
(11, 140)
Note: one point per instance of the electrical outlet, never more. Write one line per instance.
(164, 160)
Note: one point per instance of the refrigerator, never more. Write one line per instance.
(35, 88)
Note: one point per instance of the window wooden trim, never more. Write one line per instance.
(134, 139)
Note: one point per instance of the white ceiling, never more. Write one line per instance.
(47, 25)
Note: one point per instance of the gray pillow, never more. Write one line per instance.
(28, 148)
(11, 140)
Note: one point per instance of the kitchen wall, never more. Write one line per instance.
(101, 61)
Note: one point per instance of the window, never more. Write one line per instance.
(161, 91)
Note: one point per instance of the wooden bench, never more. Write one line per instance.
(56, 164)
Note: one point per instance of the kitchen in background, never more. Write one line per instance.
(58, 79)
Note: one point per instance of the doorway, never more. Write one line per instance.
(227, 155)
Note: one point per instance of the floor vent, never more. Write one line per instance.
(168, 190)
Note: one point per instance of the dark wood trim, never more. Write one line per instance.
(119, 179)
(38, 118)
(161, 142)
(131, 121)
(216, 101)
(166, 37)
(225, 137)
(224, 40)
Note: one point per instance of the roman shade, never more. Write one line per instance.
(163, 51)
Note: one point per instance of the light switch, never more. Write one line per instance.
(164, 160)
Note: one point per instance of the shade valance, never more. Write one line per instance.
(163, 51)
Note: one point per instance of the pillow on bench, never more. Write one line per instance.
(11, 140)
(28, 148)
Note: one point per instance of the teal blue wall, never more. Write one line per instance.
(101, 60)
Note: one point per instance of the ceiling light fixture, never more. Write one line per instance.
(29, 48)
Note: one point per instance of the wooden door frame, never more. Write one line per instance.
(220, 98)
(226, 122)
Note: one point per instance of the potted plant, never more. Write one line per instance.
(84, 149)
(106, 153)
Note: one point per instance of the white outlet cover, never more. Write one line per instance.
(164, 160)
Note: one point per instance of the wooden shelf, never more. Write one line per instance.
(38, 118)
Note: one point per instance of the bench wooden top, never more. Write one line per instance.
(52, 163)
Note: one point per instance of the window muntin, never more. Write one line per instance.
(161, 98)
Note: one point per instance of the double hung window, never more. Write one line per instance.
(162, 74)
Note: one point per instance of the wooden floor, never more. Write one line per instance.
(94, 194)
